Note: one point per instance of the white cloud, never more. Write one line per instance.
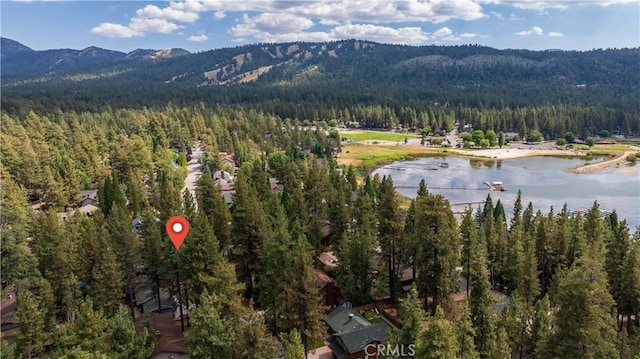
(468, 35)
(534, 31)
(497, 15)
(557, 4)
(198, 38)
(153, 26)
(385, 34)
(276, 19)
(555, 34)
(115, 30)
(326, 12)
(169, 13)
(268, 24)
(403, 35)
(329, 22)
(445, 34)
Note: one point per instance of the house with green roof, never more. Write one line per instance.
(352, 333)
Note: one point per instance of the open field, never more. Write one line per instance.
(368, 156)
(375, 135)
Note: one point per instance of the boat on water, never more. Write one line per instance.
(496, 186)
(443, 165)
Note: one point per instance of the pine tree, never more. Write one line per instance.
(541, 328)
(108, 281)
(188, 205)
(338, 206)
(584, 324)
(465, 334)
(32, 337)
(617, 251)
(125, 245)
(515, 319)
(528, 284)
(354, 254)
(469, 236)
(90, 332)
(437, 234)
(280, 251)
(629, 298)
(250, 341)
(125, 342)
(14, 222)
(8, 349)
(153, 254)
(390, 233)
(250, 232)
(481, 300)
(411, 316)
(499, 346)
(52, 248)
(209, 337)
(578, 241)
(594, 227)
(200, 254)
(292, 345)
(303, 298)
(439, 340)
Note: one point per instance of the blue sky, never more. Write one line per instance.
(199, 25)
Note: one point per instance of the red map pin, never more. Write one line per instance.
(177, 229)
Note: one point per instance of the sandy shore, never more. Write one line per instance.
(501, 154)
(507, 153)
(601, 166)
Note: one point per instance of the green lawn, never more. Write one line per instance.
(376, 135)
(315, 344)
(370, 155)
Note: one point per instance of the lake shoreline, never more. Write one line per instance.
(413, 151)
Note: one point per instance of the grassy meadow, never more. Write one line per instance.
(376, 136)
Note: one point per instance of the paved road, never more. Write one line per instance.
(194, 169)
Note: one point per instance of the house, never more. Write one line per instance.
(146, 300)
(89, 197)
(228, 159)
(328, 259)
(406, 279)
(86, 210)
(228, 198)
(330, 292)
(137, 224)
(222, 174)
(276, 187)
(351, 333)
(326, 239)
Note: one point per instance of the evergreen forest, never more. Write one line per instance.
(247, 272)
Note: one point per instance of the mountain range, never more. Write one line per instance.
(347, 71)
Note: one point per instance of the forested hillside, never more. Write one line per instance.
(311, 81)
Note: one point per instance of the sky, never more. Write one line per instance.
(200, 25)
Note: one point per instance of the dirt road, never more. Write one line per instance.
(194, 169)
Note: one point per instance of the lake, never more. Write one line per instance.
(542, 181)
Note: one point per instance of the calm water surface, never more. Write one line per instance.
(542, 181)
